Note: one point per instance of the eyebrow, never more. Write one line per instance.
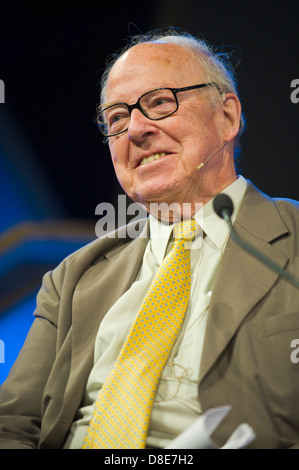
(100, 107)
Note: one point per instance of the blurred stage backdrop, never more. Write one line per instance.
(54, 168)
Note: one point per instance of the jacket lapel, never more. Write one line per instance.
(102, 283)
(242, 281)
(120, 267)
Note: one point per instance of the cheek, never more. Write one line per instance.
(192, 131)
(119, 155)
(117, 151)
(111, 149)
(200, 122)
(193, 121)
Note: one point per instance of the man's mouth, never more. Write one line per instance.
(151, 158)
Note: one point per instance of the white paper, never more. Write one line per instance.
(197, 436)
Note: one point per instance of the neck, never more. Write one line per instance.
(173, 212)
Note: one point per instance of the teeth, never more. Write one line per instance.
(151, 158)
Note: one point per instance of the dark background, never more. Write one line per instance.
(51, 56)
(54, 168)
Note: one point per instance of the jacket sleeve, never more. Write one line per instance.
(21, 393)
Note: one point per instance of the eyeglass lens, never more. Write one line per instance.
(154, 105)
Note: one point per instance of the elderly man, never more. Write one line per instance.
(116, 356)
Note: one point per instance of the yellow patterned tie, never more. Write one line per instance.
(123, 408)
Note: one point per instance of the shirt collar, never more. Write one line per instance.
(214, 227)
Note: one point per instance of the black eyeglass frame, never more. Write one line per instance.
(138, 106)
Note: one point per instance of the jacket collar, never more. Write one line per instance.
(242, 281)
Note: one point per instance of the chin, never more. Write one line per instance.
(163, 189)
(156, 195)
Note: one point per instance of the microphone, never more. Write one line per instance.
(217, 150)
(223, 206)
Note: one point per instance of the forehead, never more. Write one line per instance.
(152, 65)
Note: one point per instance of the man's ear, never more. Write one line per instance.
(232, 115)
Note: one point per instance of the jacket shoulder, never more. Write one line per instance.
(289, 212)
(108, 244)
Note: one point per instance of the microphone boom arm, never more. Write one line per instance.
(256, 253)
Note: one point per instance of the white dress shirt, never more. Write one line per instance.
(176, 404)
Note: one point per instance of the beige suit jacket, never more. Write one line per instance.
(246, 362)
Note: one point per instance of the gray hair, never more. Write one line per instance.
(215, 64)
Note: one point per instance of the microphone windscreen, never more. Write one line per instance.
(223, 202)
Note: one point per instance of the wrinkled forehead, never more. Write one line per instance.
(165, 60)
(157, 51)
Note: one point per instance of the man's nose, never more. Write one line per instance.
(140, 126)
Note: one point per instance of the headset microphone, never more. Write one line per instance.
(217, 150)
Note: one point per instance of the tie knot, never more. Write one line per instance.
(186, 230)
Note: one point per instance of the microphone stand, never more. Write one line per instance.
(225, 213)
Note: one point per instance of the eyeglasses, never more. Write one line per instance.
(156, 104)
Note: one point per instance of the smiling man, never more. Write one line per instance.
(156, 159)
(135, 338)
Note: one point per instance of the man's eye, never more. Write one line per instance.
(116, 118)
(161, 101)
